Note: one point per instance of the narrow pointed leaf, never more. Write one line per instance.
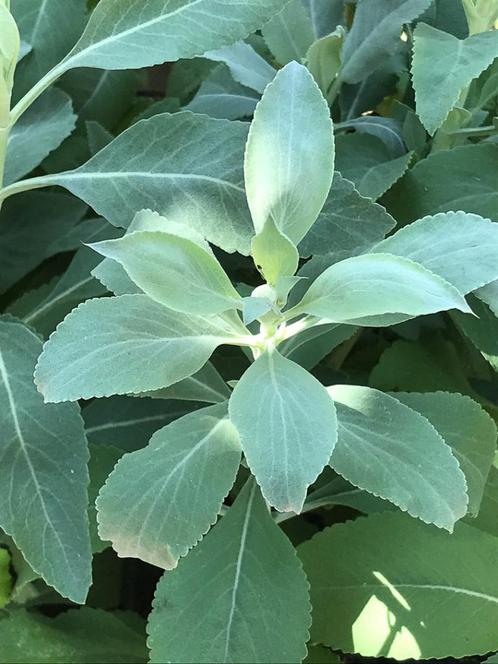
(124, 344)
(158, 262)
(43, 459)
(376, 284)
(395, 453)
(289, 159)
(246, 66)
(287, 425)
(159, 501)
(254, 607)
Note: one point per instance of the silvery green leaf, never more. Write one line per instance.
(39, 131)
(44, 462)
(139, 35)
(220, 96)
(323, 59)
(460, 247)
(98, 136)
(255, 606)
(392, 451)
(375, 34)
(443, 66)
(289, 33)
(388, 130)
(206, 385)
(375, 284)
(246, 66)
(158, 262)
(150, 164)
(290, 155)
(273, 253)
(125, 344)
(325, 15)
(287, 425)
(187, 469)
(310, 346)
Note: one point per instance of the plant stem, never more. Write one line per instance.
(25, 185)
(33, 94)
(475, 132)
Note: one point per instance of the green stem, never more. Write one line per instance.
(475, 132)
(26, 185)
(40, 87)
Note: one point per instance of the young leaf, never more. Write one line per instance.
(124, 344)
(79, 636)
(289, 33)
(385, 599)
(287, 426)
(375, 284)
(148, 162)
(273, 253)
(159, 262)
(43, 461)
(323, 59)
(375, 34)
(460, 247)
(254, 606)
(42, 129)
(393, 452)
(159, 501)
(289, 159)
(141, 35)
(466, 428)
(443, 66)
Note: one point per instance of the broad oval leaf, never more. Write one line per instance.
(174, 271)
(149, 164)
(124, 344)
(159, 501)
(43, 459)
(289, 160)
(375, 284)
(251, 595)
(403, 578)
(395, 453)
(287, 425)
(466, 428)
(141, 35)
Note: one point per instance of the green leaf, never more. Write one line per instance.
(368, 163)
(375, 34)
(221, 97)
(188, 468)
(39, 131)
(6, 580)
(289, 33)
(359, 288)
(323, 59)
(386, 599)
(466, 428)
(481, 329)
(325, 15)
(101, 347)
(141, 36)
(487, 519)
(103, 459)
(146, 164)
(348, 223)
(22, 246)
(460, 247)
(254, 608)
(45, 307)
(447, 180)
(273, 253)
(79, 636)
(310, 346)
(205, 385)
(128, 422)
(321, 655)
(246, 66)
(289, 156)
(43, 461)
(443, 66)
(51, 28)
(158, 262)
(390, 450)
(287, 426)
